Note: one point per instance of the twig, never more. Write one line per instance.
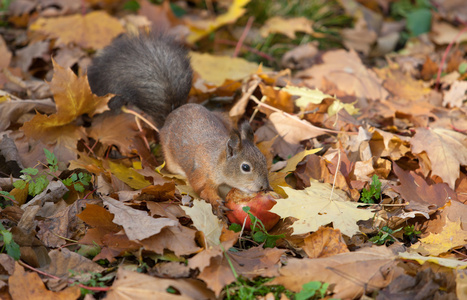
(337, 171)
(253, 50)
(445, 55)
(91, 288)
(243, 36)
(138, 116)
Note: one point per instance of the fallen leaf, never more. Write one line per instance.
(129, 176)
(444, 33)
(180, 240)
(456, 97)
(217, 69)
(451, 237)
(94, 30)
(314, 207)
(62, 261)
(425, 284)
(420, 195)
(402, 85)
(287, 27)
(28, 285)
(353, 273)
(73, 98)
(324, 243)
(134, 285)
(445, 262)
(204, 220)
(446, 149)
(250, 263)
(201, 28)
(347, 72)
(137, 224)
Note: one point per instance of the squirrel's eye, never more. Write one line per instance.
(246, 167)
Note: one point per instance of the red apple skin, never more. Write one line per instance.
(260, 203)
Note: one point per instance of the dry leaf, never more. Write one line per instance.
(347, 72)
(28, 285)
(353, 274)
(217, 69)
(286, 27)
(451, 237)
(201, 28)
(137, 224)
(204, 220)
(324, 243)
(133, 285)
(314, 207)
(447, 150)
(94, 30)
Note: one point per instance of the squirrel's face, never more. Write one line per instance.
(246, 167)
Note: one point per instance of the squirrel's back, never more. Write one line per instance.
(152, 72)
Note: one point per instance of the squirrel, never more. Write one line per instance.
(153, 72)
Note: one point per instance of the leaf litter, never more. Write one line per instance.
(339, 124)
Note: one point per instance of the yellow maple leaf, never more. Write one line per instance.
(314, 207)
(451, 237)
(94, 30)
(73, 98)
(199, 29)
(308, 96)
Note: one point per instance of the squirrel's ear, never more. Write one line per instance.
(234, 143)
(246, 132)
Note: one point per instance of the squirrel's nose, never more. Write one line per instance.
(266, 188)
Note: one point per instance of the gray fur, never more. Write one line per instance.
(151, 72)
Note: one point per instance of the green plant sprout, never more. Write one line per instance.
(9, 245)
(37, 182)
(384, 235)
(258, 232)
(374, 193)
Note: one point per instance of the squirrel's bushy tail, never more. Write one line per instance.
(152, 72)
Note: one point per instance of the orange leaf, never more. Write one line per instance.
(27, 285)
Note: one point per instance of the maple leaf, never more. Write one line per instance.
(420, 195)
(73, 98)
(204, 220)
(446, 149)
(451, 237)
(308, 96)
(314, 207)
(94, 30)
(201, 28)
